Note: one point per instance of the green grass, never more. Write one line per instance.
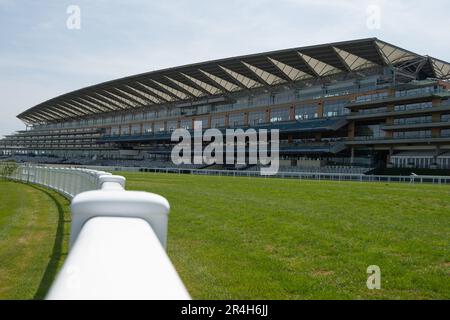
(255, 238)
(33, 239)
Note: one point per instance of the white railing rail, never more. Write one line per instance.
(359, 177)
(117, 240)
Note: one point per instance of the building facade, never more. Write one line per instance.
(361, 103)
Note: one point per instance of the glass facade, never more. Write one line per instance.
(413, 106)
(158, 127)
(335, 108)
(413, 120)
(414, 92)
(217, 122)
(204, 121)
(115, 131)
(172, 125)
(445, 117)
(136, 129)
(256, 117)
(370, 131)
(236, 119)
(277, 115)
(373, 96)
(125, 130)
(412, 134)
(186, 124)
(306, 112)
(147, 128)
(284, 95)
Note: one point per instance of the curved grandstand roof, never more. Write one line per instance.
(206, 80)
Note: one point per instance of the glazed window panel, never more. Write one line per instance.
(306, 112)
(151, 115)
(217, 122)
(445, 117)
(373, 131)
(186, 124)
(172, 125)
(162, 113)
(136, 129)
(256, 117)
(277, 115)
(159, 126)
(236, 119)
(424, 119)
(418, 91)
(174, 112)
(115, 131)
(412, 134)
(147, 128)
(125, 130)
(284, 97)
(370, 97)
(204, 121)
(335, 108)
(413, 106)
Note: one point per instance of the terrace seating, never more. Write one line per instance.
(147, 163)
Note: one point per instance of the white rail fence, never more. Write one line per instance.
(117, 239)
(357, 177)
(293, 175)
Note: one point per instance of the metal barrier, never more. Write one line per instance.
(359, 177)
(303, 175)
(117, 240)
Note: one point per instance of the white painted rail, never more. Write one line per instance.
(117, 240)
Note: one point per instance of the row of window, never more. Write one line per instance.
(375, 131)
(423, 119)
(418, 91)
(237, 119)
(372, 131)
(335, 108)
(445, 117)
(413, 106)
(268, 99)
(412, 134)
(370, 97)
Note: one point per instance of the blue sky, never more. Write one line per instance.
(41, 58)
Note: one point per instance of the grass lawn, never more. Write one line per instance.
(33, 239)
(255, 238)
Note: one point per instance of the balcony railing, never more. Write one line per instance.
(401, 97)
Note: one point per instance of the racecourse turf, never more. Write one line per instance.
(34, 224)
(257, 238)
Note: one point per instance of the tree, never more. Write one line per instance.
(7, 169)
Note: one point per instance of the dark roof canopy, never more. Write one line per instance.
(220, 77)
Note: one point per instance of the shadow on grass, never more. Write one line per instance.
(57, 251)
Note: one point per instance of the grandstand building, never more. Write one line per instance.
(363, 103)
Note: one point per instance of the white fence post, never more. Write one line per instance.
(113, 201)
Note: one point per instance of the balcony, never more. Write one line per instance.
(398, 100)
(385, 114)
(417, 125)
(306, 126)
(312, 147)
(398, 140)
